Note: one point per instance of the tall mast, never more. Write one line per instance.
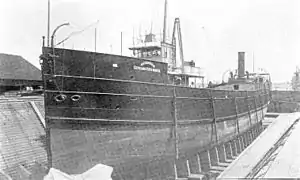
(96, 39)
(121, 42)
(133, 37)
(165, 22)
(253, 61)
(48, 28)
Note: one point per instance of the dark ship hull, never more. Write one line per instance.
(123, 112)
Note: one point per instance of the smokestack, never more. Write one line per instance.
(241, 65)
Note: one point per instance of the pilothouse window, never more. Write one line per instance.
(148, 53)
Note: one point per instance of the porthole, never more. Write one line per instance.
(75, 97)
(60, 98)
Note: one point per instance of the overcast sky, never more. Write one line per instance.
(213, 31)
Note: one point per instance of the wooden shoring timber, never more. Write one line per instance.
(236, 114)
(255, 106)
(48, 143)
(175, 124)
(290, 102)
(261, 99)
(174, 132)
(214, 124)
(248, 108)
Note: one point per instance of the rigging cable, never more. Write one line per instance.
(78, 32)
(72, 34)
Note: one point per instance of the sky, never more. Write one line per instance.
(213, 31)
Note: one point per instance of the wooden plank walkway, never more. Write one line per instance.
(249, 158)
(287, 162)
(21, 137)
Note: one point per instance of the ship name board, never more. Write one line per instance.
(146, 69)
(143, 68)
(148, 63)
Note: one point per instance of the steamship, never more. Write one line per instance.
(125, 112)
(296, 81)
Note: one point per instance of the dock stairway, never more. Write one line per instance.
(209, 163)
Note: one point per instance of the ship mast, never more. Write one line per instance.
(165, 22)
(48, 28)
(253, 62)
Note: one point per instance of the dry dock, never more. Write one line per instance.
(256, 153)
(273, 154)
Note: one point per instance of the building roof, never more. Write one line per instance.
(16, 67)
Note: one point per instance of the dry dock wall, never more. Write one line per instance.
(22, 135)
(254, 158)
(285, 102)
(286, 96)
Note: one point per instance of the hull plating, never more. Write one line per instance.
(76, 149)
(123, 114)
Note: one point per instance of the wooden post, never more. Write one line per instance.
(231, 150)
(48, 143)
(255, 108)
(175, 170)
(175, 123)
(242, 140)
(214, 124)
(224, 151)
(188, 167)
(209, 159)
(175, 130)
(217, 154)
(47, 123)
(248, 108)
(235, 147)
(279, 106)
(199, 162)
(236, 115)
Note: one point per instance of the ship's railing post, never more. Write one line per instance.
(214, 124)
(236, 115)
(248, 108)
